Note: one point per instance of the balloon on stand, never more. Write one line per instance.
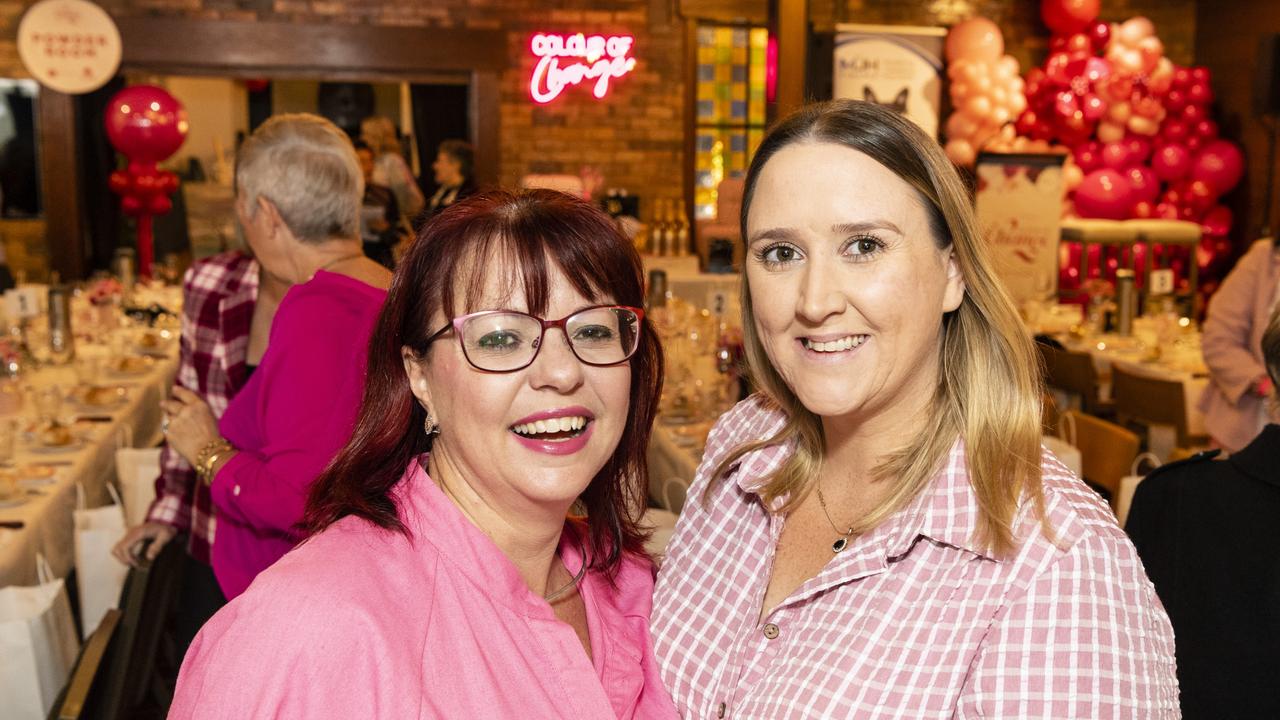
(1217, 221)
(1065, 17)
(1171, 162)
(147, 125)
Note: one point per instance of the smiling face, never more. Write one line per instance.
(534, 437)
(848, 288)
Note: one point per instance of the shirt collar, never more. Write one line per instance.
(946, 510)
(433, 518)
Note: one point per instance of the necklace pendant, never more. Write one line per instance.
(839, 545)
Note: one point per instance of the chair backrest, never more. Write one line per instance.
(1149, 401)
(75, 697)
(145, 605)
(1073, 372)
(1107, 450)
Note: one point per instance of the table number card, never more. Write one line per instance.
(1160, 282)
(22, 303)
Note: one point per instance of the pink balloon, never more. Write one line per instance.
(1065, 17)
(1104, 193)
(145, 123)
(1193, 114)
(1220, 165)
(1171, 162)
(1199, 196)
(1088, 159)
(1066, 103)
(1055, 68)
(1175, 100)
(1194, 143)
(1143, 209)
(1100, 34)
(1115, 155)
(1200, 93)
(1217, 221)
(1182, 77)
(1145, 184)
(1167, 211)
(1096, 70)
(1206, 129)
(975, 39)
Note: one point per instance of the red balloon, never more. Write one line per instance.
(119, 182)
(1100, 34)
(1104, 194)
(168, 182)
(1206, 129)
(1199, 93)
(131, 205)
(1175, 100)
(1219, 165)
(1174, 130)
(1065, 103)
(1093, 107)
(159, 204)
(1145, 184)
(1181, 77)
(1171, 162)
(1088, 159)
(1115, 156)
(1065, 17)
(1199, 196)
(1139, 149)
(1217, 221)
(146, 123)
(1193, 114)
(1167, 211)
(1194, 143)
(1143, 209)
(1055, 68)
(147, 183)
(1186, 212)
(1200, 74)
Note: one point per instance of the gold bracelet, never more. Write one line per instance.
(202, 458)
(213, 460)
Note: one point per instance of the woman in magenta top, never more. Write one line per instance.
(511, 377)
(298, 196)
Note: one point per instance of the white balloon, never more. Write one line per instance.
(1017, 103)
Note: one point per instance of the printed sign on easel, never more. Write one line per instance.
(896, 66)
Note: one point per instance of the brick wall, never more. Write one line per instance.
(635, 135)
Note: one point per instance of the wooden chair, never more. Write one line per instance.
(1075, 373)
(75, 696)
(1152, 402)
(121, 677)
(1107, 450)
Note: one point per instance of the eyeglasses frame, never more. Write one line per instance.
(563, 323)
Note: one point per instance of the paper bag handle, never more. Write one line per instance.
(1151, 457)
(43, 572)
(1065, 435)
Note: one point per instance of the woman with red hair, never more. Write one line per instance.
(511, 376)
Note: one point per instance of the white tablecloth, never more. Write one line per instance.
(46, 513)
(672, 464)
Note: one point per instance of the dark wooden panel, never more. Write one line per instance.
(486, 112)
(60, 168)
(224, 46)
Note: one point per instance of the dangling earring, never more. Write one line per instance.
(430, 426)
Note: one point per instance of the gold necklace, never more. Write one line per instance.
(337, 260)
(843, 541)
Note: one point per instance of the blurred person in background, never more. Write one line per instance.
(454, 170)
(381, 227)
(1207, 532)
(1235, 402)
(390, 169)
(298, 191)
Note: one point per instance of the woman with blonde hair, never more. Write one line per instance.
(878, 532)
(389, 169)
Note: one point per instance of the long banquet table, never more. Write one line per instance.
(46, 509)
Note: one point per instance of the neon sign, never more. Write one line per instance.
(596, 58)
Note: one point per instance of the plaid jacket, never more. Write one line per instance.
(219, 293)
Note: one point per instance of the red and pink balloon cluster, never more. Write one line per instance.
(147, 125)
(986, 89)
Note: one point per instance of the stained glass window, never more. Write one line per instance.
(730, 117)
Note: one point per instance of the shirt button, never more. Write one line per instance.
(236, 491)
(771, 631)
(720, 711)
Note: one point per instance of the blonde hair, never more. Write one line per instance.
(380, 134)
(989, 377)
(307, 168)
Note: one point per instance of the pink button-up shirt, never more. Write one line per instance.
(360, 622)
(913, 619)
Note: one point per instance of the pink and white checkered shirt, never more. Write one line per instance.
(913, 620)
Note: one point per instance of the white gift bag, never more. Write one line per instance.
(100, 576)
(38, 645)
(1129, 485)
(137, 471)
